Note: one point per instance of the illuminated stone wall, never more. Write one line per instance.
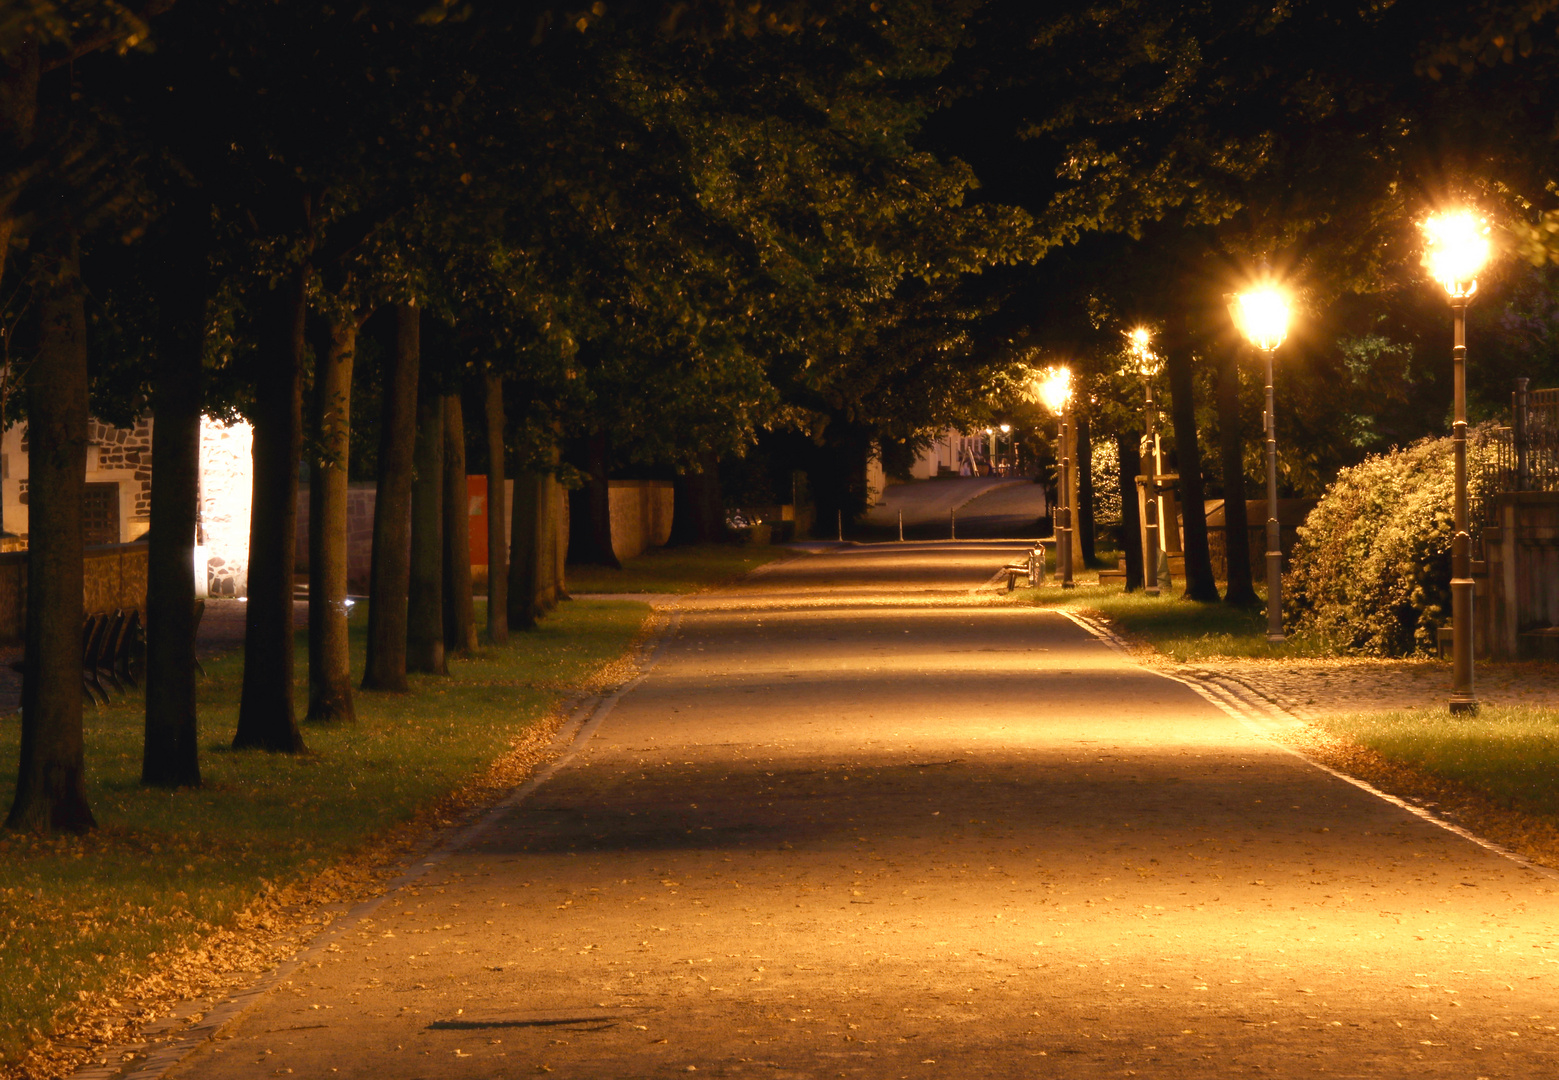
(226, 486)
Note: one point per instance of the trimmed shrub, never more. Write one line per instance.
(1371, 572)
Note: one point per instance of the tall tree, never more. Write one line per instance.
(1178, 359)
(459, 609)
(528, 550)
(1236, 528)
(267, 717)
(590, 507)
(51, 783)
(330, 673)
(390, 573)
(171, 754)
(1129, 455)
(425, 603)
(497, 512)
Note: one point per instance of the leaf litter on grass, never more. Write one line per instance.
(185, 895)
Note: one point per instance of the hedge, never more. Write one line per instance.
(1371, 572)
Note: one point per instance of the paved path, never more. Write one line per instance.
(835, 834)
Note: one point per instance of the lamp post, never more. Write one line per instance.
(1006, 429)
(1262, 316)
(1056, 393)
(1147, 366)
(1456, 248)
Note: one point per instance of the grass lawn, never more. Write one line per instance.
(674, 569)
(1508, 753)
(1179, 629)
(78, 914)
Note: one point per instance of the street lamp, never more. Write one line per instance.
(1456, 247)
(1262, 316)
(1006, 429)
(1055, 391)
(1147, 366)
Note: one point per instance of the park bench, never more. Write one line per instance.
(1031, 566)
(112, 644)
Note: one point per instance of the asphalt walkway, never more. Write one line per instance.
(856, 823)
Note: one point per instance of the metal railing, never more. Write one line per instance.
(1521, 457)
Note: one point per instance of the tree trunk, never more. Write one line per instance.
(1086, 533)
(171, 754)
(425, 603)
(699, 516)
(1129, 453)
(497, 516)
(528, 550)
(459, 611)
(51, 789)
(590, 532)
(1199, 583)
(1236, 532)
(330, 664)
(267, 718)
(390, 574)
(555, 590)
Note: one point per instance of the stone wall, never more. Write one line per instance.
(115, 580)
(641, 515)
(360, 500)
(125, 451)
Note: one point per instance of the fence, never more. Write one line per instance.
(1521, 457)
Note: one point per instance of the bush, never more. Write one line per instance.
(1371, 572)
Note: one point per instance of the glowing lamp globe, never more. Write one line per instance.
(1139, 344)
(1055, 389)
(1262, 316)
(1456, 247)
(1006, 428)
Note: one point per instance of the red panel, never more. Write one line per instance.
(476, 501)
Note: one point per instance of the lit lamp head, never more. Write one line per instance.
(1456, 247)
(1262, 316)
(1139, 344)
(1055, 389)
(1005, 428)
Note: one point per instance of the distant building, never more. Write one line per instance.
(117, 505)
(953, 453)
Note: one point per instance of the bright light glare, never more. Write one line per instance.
(1006, 428)
(1147, 362)
(1055, 388)
(1262, 316)
(1456, 247)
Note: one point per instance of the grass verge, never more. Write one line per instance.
(1182, 630)
(674, 569)
(80, 917)
(1509, 754)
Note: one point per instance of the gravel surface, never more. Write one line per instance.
(1311, 689)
